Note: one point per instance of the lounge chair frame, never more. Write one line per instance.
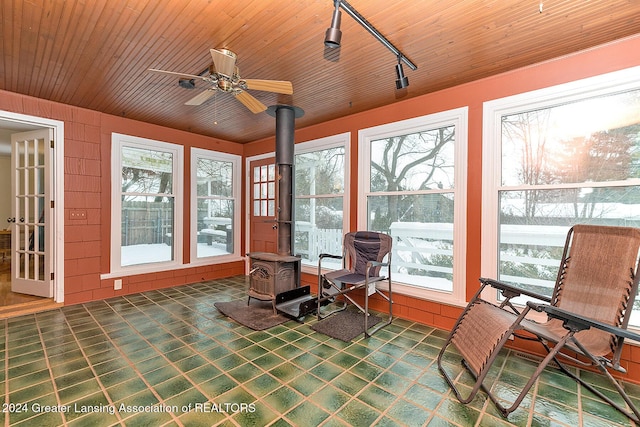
(576, 325)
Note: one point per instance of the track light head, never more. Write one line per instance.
(333, 35)
(402, 81)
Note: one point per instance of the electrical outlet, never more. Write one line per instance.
(78, 214)
(117, 284)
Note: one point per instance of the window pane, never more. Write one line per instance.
(413, 162)
(215, 208)
(422, 231)
(320, 172)
(318, 229)
(592, 140)
(534, 225)
(319, 210)
(147, 230)
(215, 177)
(215, 227)
(146, 171)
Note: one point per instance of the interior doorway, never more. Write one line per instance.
(24, 238)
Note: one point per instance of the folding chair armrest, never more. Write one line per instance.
(323, 256)
(510, 291)
(377, 264)
(329, 256)
(572, 320)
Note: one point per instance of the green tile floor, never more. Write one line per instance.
(168, 357)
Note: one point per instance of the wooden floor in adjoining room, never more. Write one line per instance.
(14, 303)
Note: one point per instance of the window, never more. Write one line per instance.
(413, 176)
(215, 182)
(146, 203)
(320, 197)
(554, 158)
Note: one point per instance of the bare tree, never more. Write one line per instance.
(409, 162)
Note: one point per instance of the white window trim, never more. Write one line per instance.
(199, 153)
(117, 142)
(459, 118)
(333, 141)
(615, 82)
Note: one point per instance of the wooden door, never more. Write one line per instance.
(263, 228)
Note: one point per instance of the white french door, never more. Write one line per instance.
(31, 243)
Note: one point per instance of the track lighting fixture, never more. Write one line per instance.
(333, 35)
(402, 81)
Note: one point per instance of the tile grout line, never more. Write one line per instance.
(171, 363)
(129, 361)
(242, 384)
(228, 418)
(95, 374)
(338, 351)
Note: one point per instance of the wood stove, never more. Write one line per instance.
(271, 274)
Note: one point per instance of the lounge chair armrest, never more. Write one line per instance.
(572, 320)
(510, 291)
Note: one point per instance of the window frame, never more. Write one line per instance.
(333, 141)
(119, 141)
(494, 110)
(200, 153)
(457, 117)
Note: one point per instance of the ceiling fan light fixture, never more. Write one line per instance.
(334, 34)
(187, 83)
(402, 81)
(225, 85)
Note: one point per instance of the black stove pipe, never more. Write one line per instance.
(285, 125)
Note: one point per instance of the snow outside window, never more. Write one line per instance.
(146, 203)
(412, 187)
(320, 198)
(553, 158)
(215, 191)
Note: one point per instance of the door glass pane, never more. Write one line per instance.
(264, 190)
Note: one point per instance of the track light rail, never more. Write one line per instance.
(375, 33)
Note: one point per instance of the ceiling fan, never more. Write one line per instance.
(223, 75)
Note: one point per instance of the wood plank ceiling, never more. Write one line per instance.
(95, 54)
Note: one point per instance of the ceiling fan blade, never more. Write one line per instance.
(201, 97)
(250, 102)
(185, 75)
(276, 86)
(224, 61)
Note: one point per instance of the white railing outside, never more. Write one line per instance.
(416, 244)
